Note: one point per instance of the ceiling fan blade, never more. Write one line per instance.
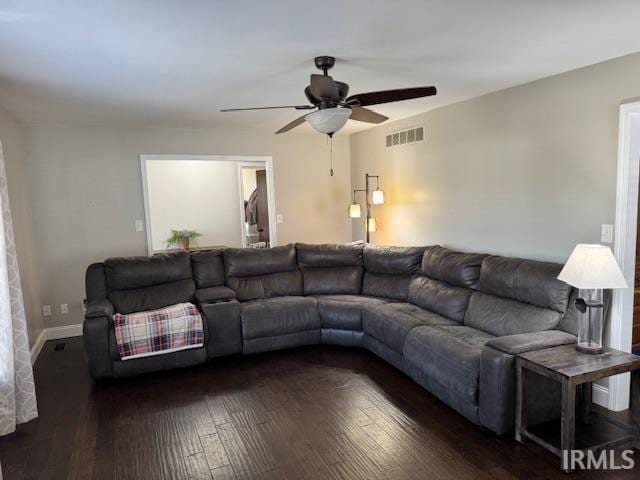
(387, 96)
(292, 125)
(365, 115)
(323, 86)
(297, 107)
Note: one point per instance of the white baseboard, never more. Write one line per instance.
(67, 331)
(54, 333)
(37, 346)
(601, 395)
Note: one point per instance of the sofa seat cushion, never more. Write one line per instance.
(425, 317)
(279, 316)
(391, 323)
(450, 356)
(344, 312)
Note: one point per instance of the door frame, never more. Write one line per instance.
(624, 247)
(265, 161)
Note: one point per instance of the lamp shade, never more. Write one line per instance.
(329, 120)
(371, 224)
(377, 197)
(592, 267)
(354, 210)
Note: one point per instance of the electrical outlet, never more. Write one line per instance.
(46, 310)
(606, 233)
(279, 218)
(64, 308)
(139, 226)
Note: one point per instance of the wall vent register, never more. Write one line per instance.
(402, 137)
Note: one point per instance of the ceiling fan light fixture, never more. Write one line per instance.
(329, 120)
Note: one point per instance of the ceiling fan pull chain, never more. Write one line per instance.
(330, 153)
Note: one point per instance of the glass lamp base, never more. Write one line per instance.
(592, 348)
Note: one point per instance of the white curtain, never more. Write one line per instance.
(17, 391)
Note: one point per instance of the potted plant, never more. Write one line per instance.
(182, 238)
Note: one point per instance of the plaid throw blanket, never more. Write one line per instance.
(155, 332)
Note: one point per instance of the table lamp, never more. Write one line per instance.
(590, 269)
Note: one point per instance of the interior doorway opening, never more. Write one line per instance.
(200, 198)
(255, 214)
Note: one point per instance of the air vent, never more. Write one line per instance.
(403, 137)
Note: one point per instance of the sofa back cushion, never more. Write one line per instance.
(518, 296)
(440, 298)
(331, 269)
(388, 270)
(500, 316)
(455, 268)
(208, 268)
(255, 273)
(527, 281)
(136, 284)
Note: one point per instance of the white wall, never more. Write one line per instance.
(194, 195)
(86, 193)
(15, 147)
(529, 171)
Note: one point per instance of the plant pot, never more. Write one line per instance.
(183, 243)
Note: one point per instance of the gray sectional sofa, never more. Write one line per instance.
(452, 321)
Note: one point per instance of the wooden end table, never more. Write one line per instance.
(573, 369)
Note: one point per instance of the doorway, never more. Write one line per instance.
(255, 215)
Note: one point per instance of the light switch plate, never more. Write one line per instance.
(279, 218)
(64, 308)
(46, 310)
(606, 233)
(139, 226)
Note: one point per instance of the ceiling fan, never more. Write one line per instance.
(333, 107)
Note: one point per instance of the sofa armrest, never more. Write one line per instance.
(99, 308)
(224, 328)
(526, 342)
(95, 333)
(215, 295)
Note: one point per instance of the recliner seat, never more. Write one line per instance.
(452, 321)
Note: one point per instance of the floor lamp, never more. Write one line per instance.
(375, 197)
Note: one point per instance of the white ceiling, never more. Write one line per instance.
(176, 63)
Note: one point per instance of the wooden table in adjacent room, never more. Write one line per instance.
(574, 369)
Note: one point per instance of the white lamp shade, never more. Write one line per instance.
(355, 211)
(591, 267)
(329, 120)
(371, 224)
(377, 197)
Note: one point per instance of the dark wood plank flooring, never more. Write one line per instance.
(314, 413)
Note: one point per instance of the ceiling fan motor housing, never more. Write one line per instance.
(324, 63)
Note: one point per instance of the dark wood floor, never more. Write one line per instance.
(315, 413)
